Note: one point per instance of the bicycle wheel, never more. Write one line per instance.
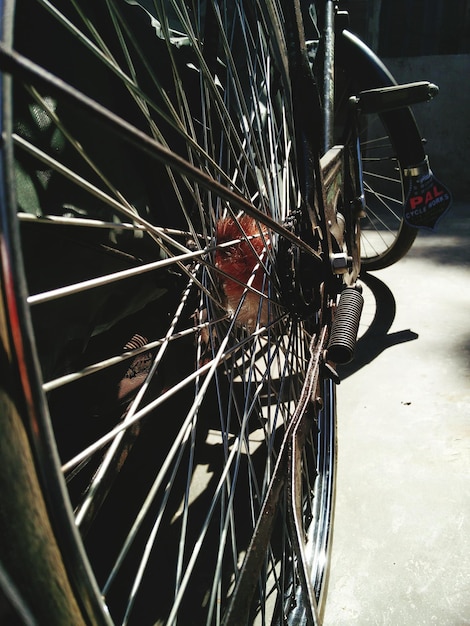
(385, 236)
(390, 143)
(142, 218)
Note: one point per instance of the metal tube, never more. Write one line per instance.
(329, 74)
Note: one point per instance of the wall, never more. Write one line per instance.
(444, 122)
(428, 40)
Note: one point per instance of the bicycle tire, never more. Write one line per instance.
(390, 143)
(104, 269)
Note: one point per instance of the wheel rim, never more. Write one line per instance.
(224, 392)
(383, 225)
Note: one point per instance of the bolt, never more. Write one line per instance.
(340, 262)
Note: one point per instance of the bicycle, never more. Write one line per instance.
(182, 197)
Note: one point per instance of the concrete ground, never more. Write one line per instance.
(401, 547)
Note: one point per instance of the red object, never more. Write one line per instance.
(239, 261)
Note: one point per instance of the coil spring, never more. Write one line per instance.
(345, 326)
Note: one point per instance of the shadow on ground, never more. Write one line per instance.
(377, 337)
(449, 244)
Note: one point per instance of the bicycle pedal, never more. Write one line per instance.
(345, 326)
(395, 97)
